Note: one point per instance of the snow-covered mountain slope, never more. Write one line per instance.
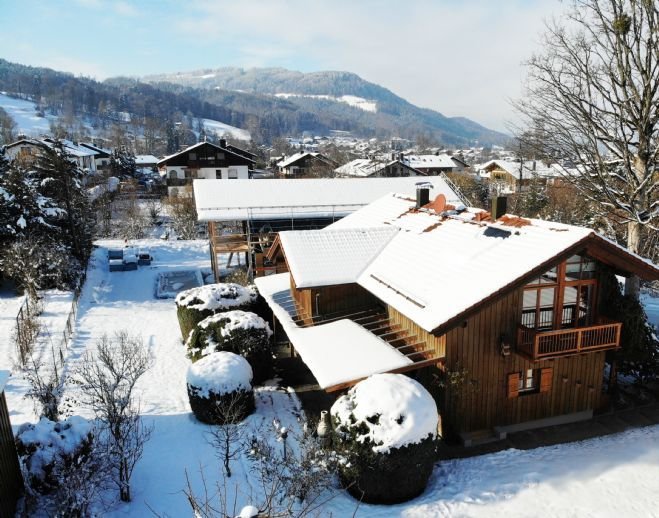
(351, 100)
(25, 115)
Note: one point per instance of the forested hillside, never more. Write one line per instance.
(168, 110)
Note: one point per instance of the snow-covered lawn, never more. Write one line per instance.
(611, 476)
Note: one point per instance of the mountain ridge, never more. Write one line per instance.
(279, 81)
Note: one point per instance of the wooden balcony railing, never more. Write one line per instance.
(542, 345)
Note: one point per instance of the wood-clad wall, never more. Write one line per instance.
(342, 298)
(436, 343)
(11, 482)
(483, 402)
(327, 300)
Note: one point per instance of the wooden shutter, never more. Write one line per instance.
(513, 385)
(546, 376)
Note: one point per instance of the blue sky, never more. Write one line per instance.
(457, 57)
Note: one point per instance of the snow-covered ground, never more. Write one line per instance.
(25, 115)
(221, 128)
(29, 123)
(611, 476)
(351, 100)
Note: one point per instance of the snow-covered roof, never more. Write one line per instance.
(164, 160)
(364, 167)
(529, 168)
(333, 256)
(4, 377)
(297, 156)
(219, 200)
(337, 352)
(458, 264)
(438, 266)
(430, 161)
(145, 159)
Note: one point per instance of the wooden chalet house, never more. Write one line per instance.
(517, 176)
(376, 168)
(432, 165)
(305, 164)
(204, 161)
(507, 313)
(244, 216)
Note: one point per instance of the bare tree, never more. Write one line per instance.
(183, 213)
(107, 380)
(228, 438)
(592, 97)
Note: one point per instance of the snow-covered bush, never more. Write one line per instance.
(220, 388)
(195, 304)
(386, 430)
(46, 448)
(239, 332)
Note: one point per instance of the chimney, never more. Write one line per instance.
(223, 143)
(422, 194)
(498, 207)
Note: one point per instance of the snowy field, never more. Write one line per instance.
(614, 476)
(25, 115)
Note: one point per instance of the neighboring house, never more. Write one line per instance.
(435, 164)
(101, 158)
(203, 161)
(243, 216)
(28, 149)
(517, 176)
(376, 168)
(11, 481)
(146, 162)
(304, 164)
(509, 315)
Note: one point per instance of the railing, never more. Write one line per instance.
(542, 345)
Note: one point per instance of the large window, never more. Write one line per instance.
(562, 297)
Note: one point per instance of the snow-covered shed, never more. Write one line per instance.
(518, 306)
(244, 215)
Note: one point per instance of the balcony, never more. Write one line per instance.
(544, 345)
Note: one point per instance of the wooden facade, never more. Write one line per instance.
(11, 481)
(315, 304)
(484, 396)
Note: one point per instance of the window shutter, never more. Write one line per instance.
(513, 385)
(545, 379)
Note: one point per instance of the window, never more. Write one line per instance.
(233, 173)
(218, 174)
(562, 297)
(220, 156)
(192, 156)
(528, 381)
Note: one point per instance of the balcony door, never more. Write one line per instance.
(563, 297)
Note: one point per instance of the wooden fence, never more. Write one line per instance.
(11, 481)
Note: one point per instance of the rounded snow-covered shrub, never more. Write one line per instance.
(46, 448)
(195, 304)
(240, 332)
(386, 433)
(220, 388)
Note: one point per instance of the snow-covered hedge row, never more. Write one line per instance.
(239, 332)
(220, 388)
(386, 429)
(47, 447)
(195, 304)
